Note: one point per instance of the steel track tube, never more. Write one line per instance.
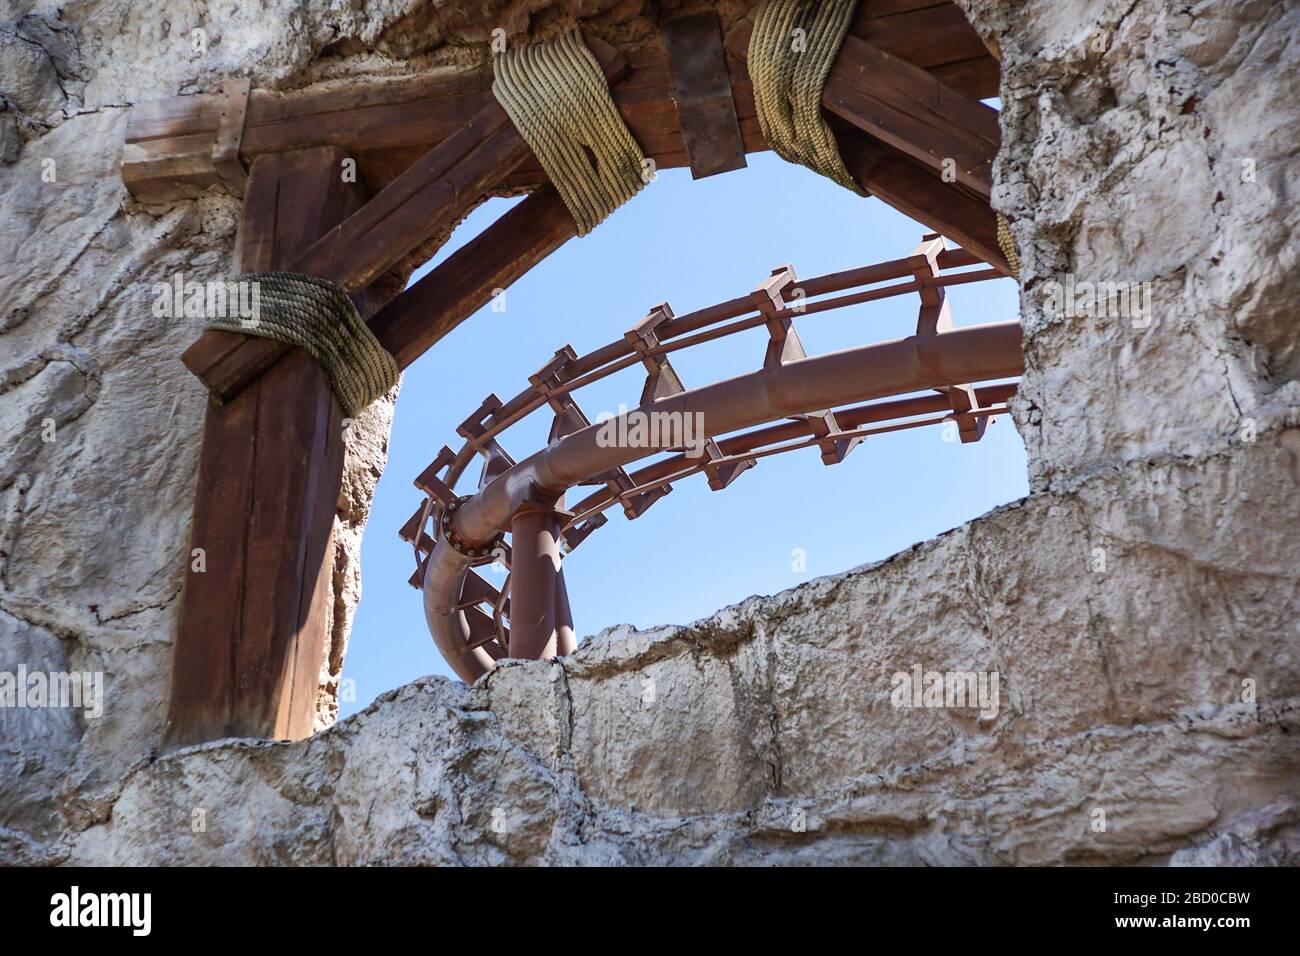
(444, 578)
(966, 355)
(534, 583)
(973, 354)
(566, 638)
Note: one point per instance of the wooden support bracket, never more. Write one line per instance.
(919, 194)
(909, 106)
(906, 108)
(467, 280)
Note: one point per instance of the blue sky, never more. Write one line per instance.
(692, 243)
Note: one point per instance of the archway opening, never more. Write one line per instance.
(785, 522)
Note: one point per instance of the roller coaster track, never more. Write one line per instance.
(793, 402)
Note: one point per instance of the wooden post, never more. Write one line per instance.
(255, 619)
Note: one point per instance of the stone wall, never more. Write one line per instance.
(1139, 607)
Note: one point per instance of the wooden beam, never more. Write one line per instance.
(254, 620)
(901, 179)
(905, 107)
(386, 125)
(462, 284)
(230, 132)
(929, 35)
(919, 194)
(980, 77)
(427, 198)
(430, 196)
(706, 108)
(168, 150)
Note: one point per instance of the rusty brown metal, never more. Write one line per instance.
(535, 584)
(804, 396)
(566, 638)
(701, 88)
(966, 354)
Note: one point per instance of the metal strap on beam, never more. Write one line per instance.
(230, 135)
(702, 95)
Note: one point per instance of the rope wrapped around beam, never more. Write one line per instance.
(791, 51)
(319, 317)
(556, 95)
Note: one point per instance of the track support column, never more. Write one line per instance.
(541, 626)
(566, 639)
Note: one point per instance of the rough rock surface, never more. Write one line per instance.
(1140, 606)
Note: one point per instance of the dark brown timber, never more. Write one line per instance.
(916, 192)
(254, 621)
(426, 199)
(906, 108)
(879, 94)
(386, 125)
(466, 281)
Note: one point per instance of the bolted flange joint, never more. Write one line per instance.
(459, 544)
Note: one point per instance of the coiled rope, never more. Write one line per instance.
(318, 316)
(1008, 245)
(556, 95)
(791, 51)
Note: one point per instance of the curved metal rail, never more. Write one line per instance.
(527, 498)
